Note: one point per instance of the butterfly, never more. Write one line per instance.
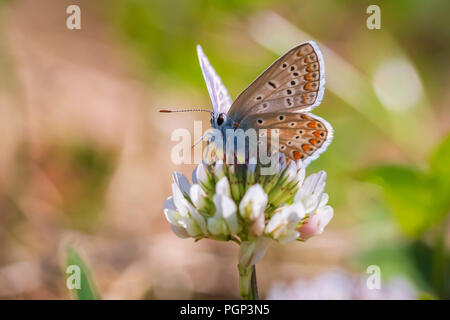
(280, 99)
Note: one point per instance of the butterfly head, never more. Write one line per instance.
(218, 120)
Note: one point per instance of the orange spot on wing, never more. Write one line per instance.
(304, 116)
(313, 141)
(316, 134)
(297, 155)
(306, 147)
(308, 76)
(310, 85)
(312, 124)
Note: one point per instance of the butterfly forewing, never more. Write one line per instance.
(218, 93)
(295, 82)
(301, 135)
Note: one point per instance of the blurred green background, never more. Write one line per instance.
(84, 153)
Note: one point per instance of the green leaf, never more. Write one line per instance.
(440, 175)
(408, 194)
(74, 264)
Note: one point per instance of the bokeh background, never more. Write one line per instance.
(85, 157)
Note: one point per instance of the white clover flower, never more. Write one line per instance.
(283, 225)
(198, 196)
(238, 203)
(225, 220)
(254, 203)
(315, 202)
(199, 174)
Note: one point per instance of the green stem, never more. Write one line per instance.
(247, 283)
(439, 265)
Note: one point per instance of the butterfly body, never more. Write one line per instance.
(279, 102)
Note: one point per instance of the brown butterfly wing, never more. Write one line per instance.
(302, 136)
(295, 82)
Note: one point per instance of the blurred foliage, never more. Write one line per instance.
(90, 168)
(418, 199)
(87, 290)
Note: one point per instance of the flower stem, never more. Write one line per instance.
(254, 284)
(247, 283)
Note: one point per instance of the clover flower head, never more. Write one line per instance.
(237, 203)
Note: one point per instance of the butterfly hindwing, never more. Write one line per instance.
(301, 135)
(295, 82)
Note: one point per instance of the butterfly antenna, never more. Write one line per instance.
(185, 110)
(200, 140)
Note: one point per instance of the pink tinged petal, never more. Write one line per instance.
(182, 182)
(316, 224)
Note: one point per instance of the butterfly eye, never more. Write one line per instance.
(220, 120)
